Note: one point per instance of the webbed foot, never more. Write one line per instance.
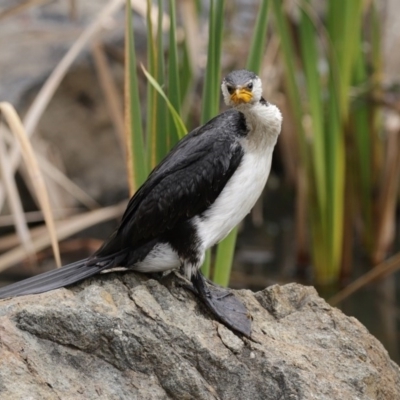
(224, 304)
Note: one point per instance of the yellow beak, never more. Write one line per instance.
(242, 95)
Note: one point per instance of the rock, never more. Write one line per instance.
(123, 336)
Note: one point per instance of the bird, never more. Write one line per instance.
(192, 199)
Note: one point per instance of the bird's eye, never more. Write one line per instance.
(230, 89)
(250, 85)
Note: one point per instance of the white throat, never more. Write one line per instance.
(264, 124)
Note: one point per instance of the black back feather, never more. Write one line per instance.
(183, 185)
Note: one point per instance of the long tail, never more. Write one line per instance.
(54, 279)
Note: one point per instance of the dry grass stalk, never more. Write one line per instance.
(14, 200)
(378, 272)
(387, 201)
(69, 186)
(27, 152)
(110, 91)
(64, 229)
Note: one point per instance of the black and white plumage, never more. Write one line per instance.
(201, 190)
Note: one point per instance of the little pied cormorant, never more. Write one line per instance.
(201, 190)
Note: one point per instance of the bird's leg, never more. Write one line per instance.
(207, 292)
(223, 304)
(200, 284)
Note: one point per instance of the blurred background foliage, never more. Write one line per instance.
(336, 169)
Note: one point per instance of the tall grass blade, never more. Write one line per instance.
(191, 53)
(179, 126)
(310, 59)
(218, 17)
(289, 55)
(211, 88)
(305, 173)
(186, 77)
(325, 165)
(174, 91)
(152, 136)
(136, 159)
(162, 110)
(224, 259)
(345, 38)
(257, 47)
(206, 267)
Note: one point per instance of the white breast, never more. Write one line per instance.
(248, 181)
(236, 200)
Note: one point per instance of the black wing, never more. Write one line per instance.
(184, 184)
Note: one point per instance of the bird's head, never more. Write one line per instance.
(241, 87)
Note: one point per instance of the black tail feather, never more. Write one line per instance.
(54, 279)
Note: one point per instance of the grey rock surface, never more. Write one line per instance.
(123, 336)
